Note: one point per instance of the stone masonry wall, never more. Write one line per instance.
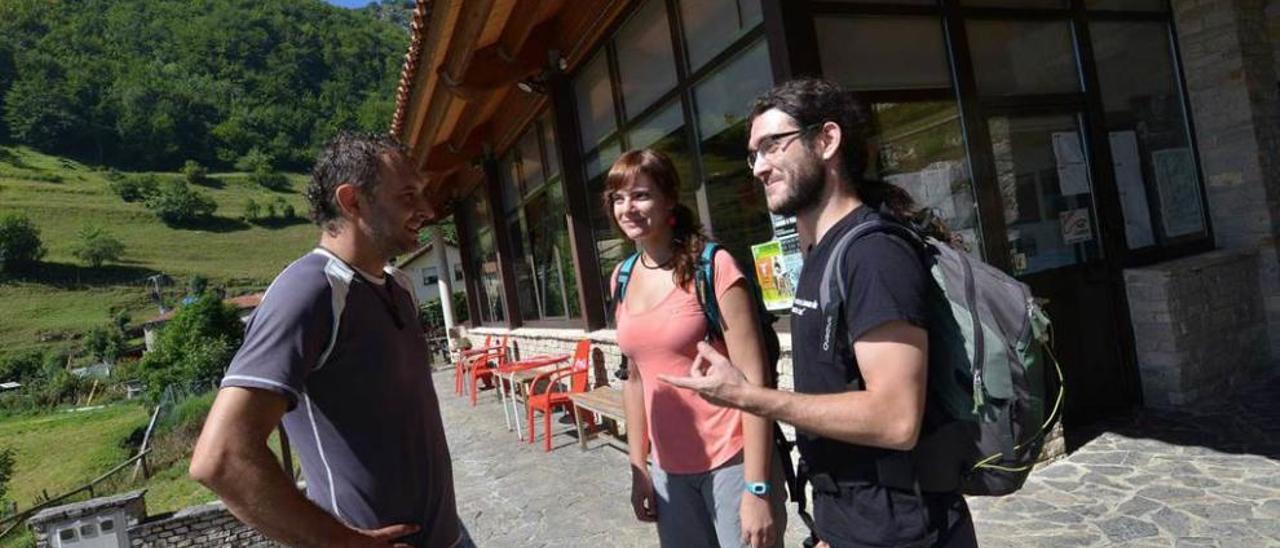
(530, 342)
(1229, 63)
(1198, 326)
(198, 526)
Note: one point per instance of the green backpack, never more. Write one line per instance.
(986, 411)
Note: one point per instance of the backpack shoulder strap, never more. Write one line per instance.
(624, 276)
(705, 282)
(831, 291)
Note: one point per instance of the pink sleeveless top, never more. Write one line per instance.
(688, 435)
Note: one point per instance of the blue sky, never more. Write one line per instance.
(349, 3)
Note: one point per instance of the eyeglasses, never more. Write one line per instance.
(770, 144)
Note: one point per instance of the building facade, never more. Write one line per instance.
(424, 268)
(1119, 156)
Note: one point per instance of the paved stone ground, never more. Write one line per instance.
(1211, 478)
(1208, 478)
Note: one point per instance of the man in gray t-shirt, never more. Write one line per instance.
(336, 350)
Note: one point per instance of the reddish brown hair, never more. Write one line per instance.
(687, 237)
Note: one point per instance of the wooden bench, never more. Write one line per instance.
(603, 401)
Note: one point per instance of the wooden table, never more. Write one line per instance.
(603, 401)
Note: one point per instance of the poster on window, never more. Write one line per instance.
(777, 264)
(1175, 174)
(1133, 193)
(783, 227)
(1075, 226)
(1073, 172)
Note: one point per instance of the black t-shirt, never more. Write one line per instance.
(885, 281)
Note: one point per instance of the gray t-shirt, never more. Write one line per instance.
(348, 354)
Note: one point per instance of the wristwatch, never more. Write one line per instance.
(758, 488)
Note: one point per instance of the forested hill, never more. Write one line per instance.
(148, 84)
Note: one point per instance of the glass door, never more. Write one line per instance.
(1043, 173)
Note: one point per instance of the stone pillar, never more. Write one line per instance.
(1230, 66)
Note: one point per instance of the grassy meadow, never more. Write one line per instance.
(64, 297)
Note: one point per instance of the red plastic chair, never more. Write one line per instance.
(464, 358)
(553, 396)
(482, 366)
(508, 386)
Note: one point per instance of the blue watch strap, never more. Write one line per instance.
(758, 488)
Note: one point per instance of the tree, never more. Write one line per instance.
(104, 343)
(20, 245)
(194, 348)
(98, 246)
(177, 204)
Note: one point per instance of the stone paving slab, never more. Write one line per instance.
(1210, 478)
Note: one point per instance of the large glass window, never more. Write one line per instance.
(536, 219)
(1151, 151)
(699, 126)
(921, 149)
(594, 93)
(711, 25)
(646, 64)
(484, 258)
(1022, 57)
(739, 215)
(920, 144)
(854, 52)
(1046, 190)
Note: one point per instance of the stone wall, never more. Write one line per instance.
(529, 342)
(1230, 67)
(198, 526)
(1198, 325)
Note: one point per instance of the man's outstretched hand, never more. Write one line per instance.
(712, 377)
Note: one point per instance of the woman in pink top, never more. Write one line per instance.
(704, 457)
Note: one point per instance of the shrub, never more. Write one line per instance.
(288, 212)
(134, 188)
(22, 368)
(252, 210)
(195, 173)
(104, 343)
(176, 203)
(98, 246)
(271, 210)
(270, 180)
(194, 348)
(20, 245)
(197, 284)
(189, 412)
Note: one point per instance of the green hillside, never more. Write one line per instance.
(64, 297)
